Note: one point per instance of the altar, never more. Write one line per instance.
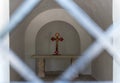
(41, 59)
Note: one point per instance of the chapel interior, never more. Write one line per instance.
(36, 36)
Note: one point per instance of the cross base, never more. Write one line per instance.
(56, 54)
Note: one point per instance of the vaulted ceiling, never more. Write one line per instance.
(99, 10)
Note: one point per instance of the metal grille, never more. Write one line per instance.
(102, 42)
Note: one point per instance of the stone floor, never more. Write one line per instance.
(53, 76)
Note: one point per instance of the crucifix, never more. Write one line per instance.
(57, 38)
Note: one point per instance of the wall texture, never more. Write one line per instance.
(102, 67)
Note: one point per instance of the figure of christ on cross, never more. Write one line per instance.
(57, 38)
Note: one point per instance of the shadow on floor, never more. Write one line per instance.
(50, 76)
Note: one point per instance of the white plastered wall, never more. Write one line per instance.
(4, 62)
(116, 40)
(44, 18)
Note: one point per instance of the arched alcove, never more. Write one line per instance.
(69, 46)
(42, 19)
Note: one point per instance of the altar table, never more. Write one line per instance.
(40, 61)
